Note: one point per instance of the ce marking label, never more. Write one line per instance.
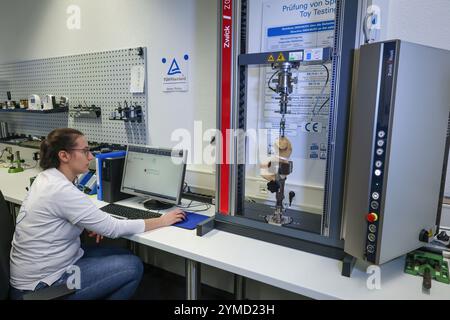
(311, 127)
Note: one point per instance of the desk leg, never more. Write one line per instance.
(239, 287)
(192, 280)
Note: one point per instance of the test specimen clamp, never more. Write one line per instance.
(283, 146)
(285, 86)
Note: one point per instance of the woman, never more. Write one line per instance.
(46, 247)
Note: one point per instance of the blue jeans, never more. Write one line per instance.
(106, 273)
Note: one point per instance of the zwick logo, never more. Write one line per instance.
(74, 19)
(374, 280)
(174, 68)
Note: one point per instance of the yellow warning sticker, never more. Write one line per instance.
(281, 58)
(271, 59)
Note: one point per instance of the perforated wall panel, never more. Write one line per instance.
(101, 79)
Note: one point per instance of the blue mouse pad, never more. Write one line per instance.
(192, 220)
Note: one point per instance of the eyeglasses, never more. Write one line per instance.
(86, 151)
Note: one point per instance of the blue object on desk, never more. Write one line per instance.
(192, 220)
(84, 182)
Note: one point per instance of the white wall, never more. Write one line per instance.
(424, 22)
(32, 29)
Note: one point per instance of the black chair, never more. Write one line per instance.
(6, 235)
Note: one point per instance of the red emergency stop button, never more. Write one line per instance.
(372, 217)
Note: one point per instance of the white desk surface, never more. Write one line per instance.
(293, 270)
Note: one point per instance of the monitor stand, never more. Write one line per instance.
(156, 205)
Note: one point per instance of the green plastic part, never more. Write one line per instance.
(418, 261)
(15, 170)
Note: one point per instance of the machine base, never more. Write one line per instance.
(336, 253)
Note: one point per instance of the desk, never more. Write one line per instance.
(192, 266)
(296, 271)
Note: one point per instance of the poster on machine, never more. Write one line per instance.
(293, 25)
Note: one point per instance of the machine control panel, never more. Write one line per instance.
(374, 213)
(376, 195)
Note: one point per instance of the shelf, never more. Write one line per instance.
(133, 120)
(85, 114)
(58, 110)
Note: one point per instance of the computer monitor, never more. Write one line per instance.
(157, 174)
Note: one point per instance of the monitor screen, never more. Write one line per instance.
(154, 173)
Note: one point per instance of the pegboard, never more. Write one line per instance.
(101, 79)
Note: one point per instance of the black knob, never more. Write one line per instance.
(273, 186)
(291, 197)
(424, 236)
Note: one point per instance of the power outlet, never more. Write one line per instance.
(263, 188)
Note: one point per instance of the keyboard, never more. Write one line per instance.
(129, 213)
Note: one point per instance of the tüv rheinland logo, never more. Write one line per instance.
(174, 68)
(176, 77)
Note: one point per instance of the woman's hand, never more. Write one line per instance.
(172, 217)
(165, 220)
(92, 234)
